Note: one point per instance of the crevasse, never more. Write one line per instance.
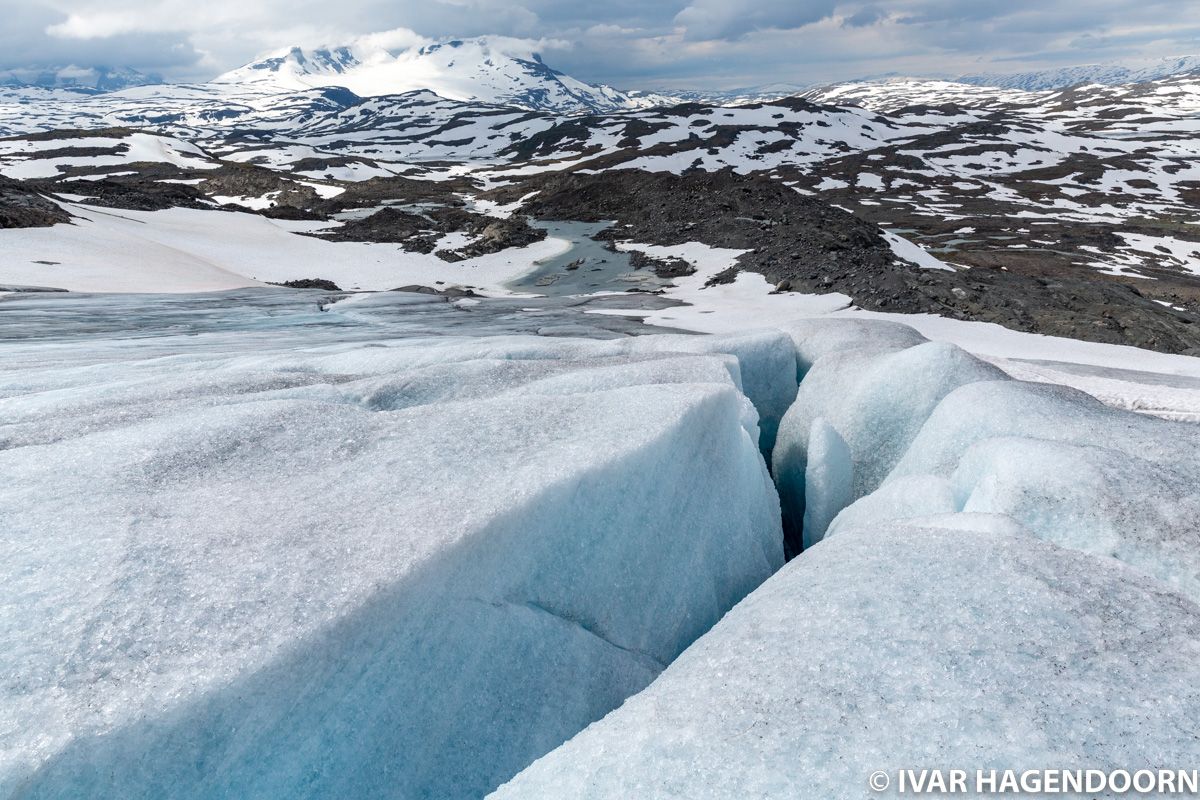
(996, 575)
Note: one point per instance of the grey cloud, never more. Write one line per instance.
(868, 15)
(24, 42)
(727, 19)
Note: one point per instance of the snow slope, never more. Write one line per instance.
(194, 250)
(25, 159)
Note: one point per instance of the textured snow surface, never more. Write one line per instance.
(957, 642)
(380, 569)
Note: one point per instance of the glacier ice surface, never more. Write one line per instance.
(828, 479)
(931, 429)
(875, 395)
(240, 566)
(389, 546)
(1068, 468)
(941, 642)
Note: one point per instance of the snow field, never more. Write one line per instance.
(191, 250)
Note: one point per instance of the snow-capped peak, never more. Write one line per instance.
(294, 68)
(500, 71)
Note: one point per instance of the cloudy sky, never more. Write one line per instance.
(628, 43)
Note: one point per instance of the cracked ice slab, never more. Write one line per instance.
(381, 570)
(866, 387)
(952, 641)
(1070, 469)
(907, 429)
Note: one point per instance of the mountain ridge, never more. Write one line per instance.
(1105, 74)
(480, 70)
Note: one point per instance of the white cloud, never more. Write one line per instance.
(395, 39)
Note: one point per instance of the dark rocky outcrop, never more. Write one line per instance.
(22, 207)
(494, 235)
(780, 228)
(662, 267)
(131, 193)
(396, 189)
(800, 243)
(249, 180)
(310, 283)
(388, 225)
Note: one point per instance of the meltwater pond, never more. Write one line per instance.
(587, 266)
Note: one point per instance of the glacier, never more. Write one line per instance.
(938, 642)
(396, 567)
(267, 543)
(994, 575)
(931, 429)
(874, 384)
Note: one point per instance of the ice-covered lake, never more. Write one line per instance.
(78, 324)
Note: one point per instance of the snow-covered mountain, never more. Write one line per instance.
(891, 95)
(1106, 74)
(736, 97)
(482, 70)
(82, 79)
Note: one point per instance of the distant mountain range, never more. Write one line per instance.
(1106, 74)
(1033, 81)
(1062, 206)
(732, 97)
(81, 79)
(498, 71)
